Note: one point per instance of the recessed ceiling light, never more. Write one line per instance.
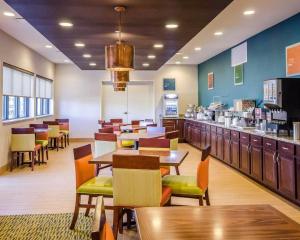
(185, 57)
(146, 64)
(178, 53)
(197, 48)
(79, 44)
(66, 24)
(87, 55)
(151, 56)
(8, 14)
(177, 62)
(158, 45)
(117, 31)
(249, 12)
(48, 46)
(171, 25)
(92, 64)
(66, 61)
(218, 33)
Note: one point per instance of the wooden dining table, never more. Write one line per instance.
(257, 222)
(167, 158)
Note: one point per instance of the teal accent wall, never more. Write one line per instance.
(266, 60)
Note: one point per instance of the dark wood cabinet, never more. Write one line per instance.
(245, 153)
(213, 141)
(227, 146)
(286, 169)
(269, 163)
(187, 132)
(298, 174)
(208, 135)
(235, 149)
(220, 144)
(203, 136)
(195, 136)
(256, 154)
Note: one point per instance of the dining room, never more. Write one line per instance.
(149, 119)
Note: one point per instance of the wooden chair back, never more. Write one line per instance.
(135, 122)
(136, 181)
(154, 144)
(105, 143)
(22, 140)
(54, 128)
(84, 171)
(116, 120)
(101, 230)
(40, 135)
(64, 123)
(174, 137)
(106, 130)
(203, 169)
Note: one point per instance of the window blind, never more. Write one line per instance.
(43, 87)
(17, 82)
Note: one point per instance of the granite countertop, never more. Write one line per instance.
(251, 131)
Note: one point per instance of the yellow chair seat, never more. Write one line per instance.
(127, 143)
(182, 185)
(99, 185)
(65, 132)
(43, 143)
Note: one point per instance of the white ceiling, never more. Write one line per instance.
(231, 21)
(236, 27)
(21, 30)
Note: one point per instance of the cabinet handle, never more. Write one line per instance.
(278, 158)
(244, 137)
(268, 144)
(274, 158)
(254, 140)
(285, 148)
(249, 148)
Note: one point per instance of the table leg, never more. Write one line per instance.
(136, 145)
(177, 170)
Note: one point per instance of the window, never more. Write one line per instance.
(17, 93)
(44, 102)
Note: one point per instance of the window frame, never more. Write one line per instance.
(5, 110)
(42, 107)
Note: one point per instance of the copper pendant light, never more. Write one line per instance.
(119, 56)
(119, 89)
(120, 76)
(120, 85)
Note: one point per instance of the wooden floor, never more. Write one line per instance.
(51, 188)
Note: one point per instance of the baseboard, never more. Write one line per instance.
(3, 169)
(81, 139)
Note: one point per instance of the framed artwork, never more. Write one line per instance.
(293, 60)
(210, 80)
(169, 84)
(239, 74)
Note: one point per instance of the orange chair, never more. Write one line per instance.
(87, 183)
(136, 183)
(41, 137)
(135, 122)
(116, 120)
(190, 186)
(156, 144)
(101, 229)
(23, 141)
(55, 134)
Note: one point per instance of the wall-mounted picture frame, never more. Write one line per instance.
(292, 53)
(238, 74)
(210, 80)
(169, 84)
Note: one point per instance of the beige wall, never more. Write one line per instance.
(17, 54)
(78, 93)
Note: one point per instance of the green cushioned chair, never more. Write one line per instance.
(190, 186)
(43, 143)
(127, 143)
(87, 183)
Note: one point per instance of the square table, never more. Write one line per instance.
(251, 222)
(167, 158)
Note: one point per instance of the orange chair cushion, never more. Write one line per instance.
(165, 196)
(107, 233)
(164, 171)
(37, 147)
(84, 170)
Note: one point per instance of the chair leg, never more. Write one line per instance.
(47, 152)
(87, 211)
(68, 139)
(116, 221)
(65, 139)
(76, 211)
(62, 142)
(177, 170)
(43, 154)
(200, 201)
(32, 160)
(207, 198)
(12, 161)
(57, 143)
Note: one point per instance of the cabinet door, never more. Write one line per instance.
(220, 147)
(227, 150)
(298, 178)
(202, 138)
(286, 175)
(180, 128)
(186, 130)
(235, 153)
(256, 162)
(270, 168)
(213, 144)
(245, 158)
(207, 138)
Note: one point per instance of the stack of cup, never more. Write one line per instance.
(296, 130)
